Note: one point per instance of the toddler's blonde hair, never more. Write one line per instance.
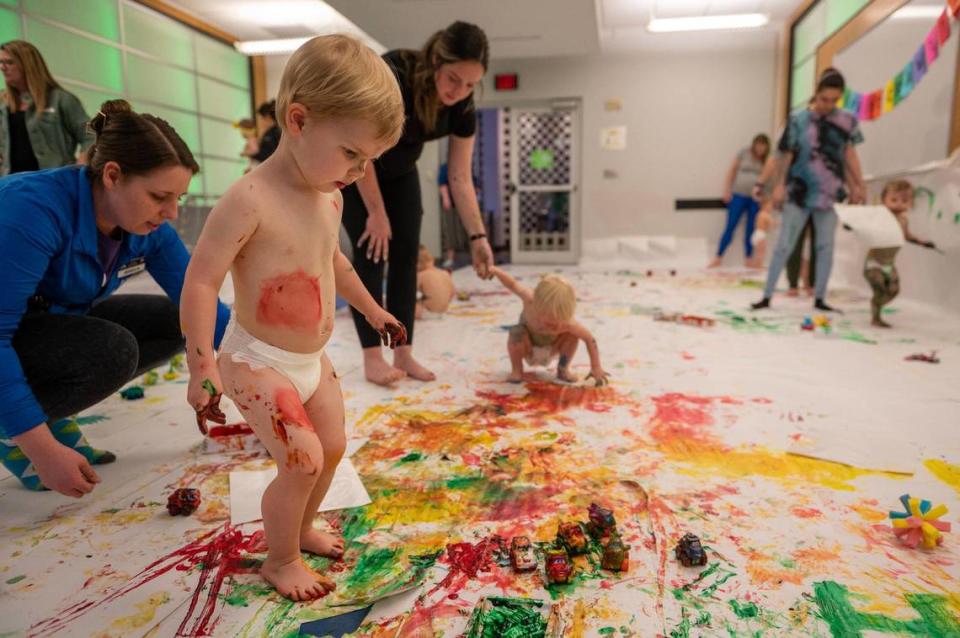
(554, 297)
(339, 76)
(424, 258)
(897, 186)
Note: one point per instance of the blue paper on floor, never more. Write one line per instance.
(335, 626)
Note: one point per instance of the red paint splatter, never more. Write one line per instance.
(290, 413)
(548, 398)
(232, 429)
(682, 416)
(465, 560)
(291, 301)
(806, 512)
(219, 552)
(687, 356)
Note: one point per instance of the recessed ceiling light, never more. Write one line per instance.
(270, 47)
(705, 23)
(909, 13)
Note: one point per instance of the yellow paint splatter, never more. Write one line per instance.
(946, 472)
(146, 611)
(124, 517)
(868, 513)
(578, 623)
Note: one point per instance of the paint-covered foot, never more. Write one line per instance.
(414, 370)
(382, 373)
(566, 376)
(296, 581)
(880, 323)
(321, 543)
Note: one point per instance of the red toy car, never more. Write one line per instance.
(521, 554)
(571, 536)
(558, 567)
(184, 501)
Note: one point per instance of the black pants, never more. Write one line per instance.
(75, 361)
(794, 262)
(401, 197)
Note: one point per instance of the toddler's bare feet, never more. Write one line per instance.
(405, 361)
(382, 373)
(516, 376)
(295, 580)
(565, 375)
(714, 263)
(880, 323)
(321, 543)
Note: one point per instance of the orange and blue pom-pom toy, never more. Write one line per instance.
(918, 523)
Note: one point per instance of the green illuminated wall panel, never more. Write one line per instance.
(196, 184)
(222, 62)
(185, 123)
(93, 16)
(808, 33)
(156, 82)
(164, 39)
(72, 56)
(839, 11)
(220, 138)
(801, 84)
(11, 3)
(90, 99)
(218, 175)
(223, 101)
(9, 26)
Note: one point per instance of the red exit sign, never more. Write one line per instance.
(505, 81)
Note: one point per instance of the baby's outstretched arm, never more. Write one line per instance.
(600, 376)
(354, 293)
(512, 285)
(227, 229)
(910, 237)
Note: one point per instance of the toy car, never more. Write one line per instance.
(926, 358)
(616, 555)
(558, 567)
(571, 536)
(689, 551)
(521, 554)
(602, 523)
(807, 324)
(184, 501)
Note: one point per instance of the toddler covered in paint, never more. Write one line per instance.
(434, 285)
(547, 329)
(879, 268)
(276, 230)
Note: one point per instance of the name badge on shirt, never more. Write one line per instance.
(135, 266)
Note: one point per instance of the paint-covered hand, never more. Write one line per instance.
(392, 332)
(600, 376)
(482, 258)
(203, 394)
(63, 469)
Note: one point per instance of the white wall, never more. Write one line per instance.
(686, 114)
(918, 130)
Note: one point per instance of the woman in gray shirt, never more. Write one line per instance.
(741, 177)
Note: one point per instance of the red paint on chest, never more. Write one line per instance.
(290, 301)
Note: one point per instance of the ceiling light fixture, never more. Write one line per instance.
(912, 13)
(270, 47)
(707, 23)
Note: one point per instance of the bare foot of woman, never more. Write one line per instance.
(296, 581)
(403, 360)
(321, 543)
(715, 263)
(377, 370)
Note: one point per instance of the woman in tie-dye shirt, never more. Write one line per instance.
(818, 147)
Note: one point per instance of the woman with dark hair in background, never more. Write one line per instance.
(816, 167)
(270, 139)
(741, 177)
(68, 238)
(383, 210)
(41, 124)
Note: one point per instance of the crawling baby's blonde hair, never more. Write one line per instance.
(339, 76)
(554, 297)
(424, 258)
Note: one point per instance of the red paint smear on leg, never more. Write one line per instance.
(219, 552)
(290, 413)
(291, 301)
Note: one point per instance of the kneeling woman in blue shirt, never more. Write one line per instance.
(68, 238)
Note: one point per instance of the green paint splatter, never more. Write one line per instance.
(462, 482)
(372, 565)
(683, 629)
(833, 601)
(606, 631)
(704, 619)
(744, 610)
(89, 420)
(16, 579)
(497, 617)
(410, 458)
(242, 593)
(788, 563)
